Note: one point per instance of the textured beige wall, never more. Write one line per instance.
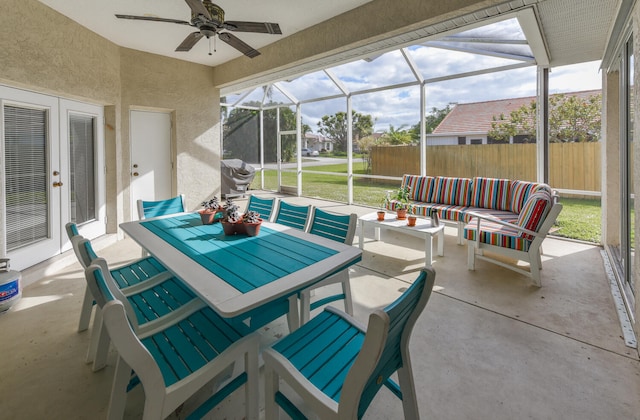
(43, 50)
(154, 82)
(52, 54)
(374, 21)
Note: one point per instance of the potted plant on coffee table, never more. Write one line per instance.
(252, 222)
(211, 212)
(400, 199)
(382, 211)
(411, 217)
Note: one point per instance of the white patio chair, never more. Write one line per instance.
(178, 359)
(157, 300)
(148, 209)
(341, 228)
(337, 367)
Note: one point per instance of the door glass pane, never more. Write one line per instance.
(81, 162)
(26, 176)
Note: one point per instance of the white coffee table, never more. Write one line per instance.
(422, 229)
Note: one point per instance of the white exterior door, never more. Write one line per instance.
(150, 157)
(38, 145)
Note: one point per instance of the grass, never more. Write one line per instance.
(580, 218)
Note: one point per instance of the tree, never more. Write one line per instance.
(335, 127)
(431, 121)
(571, 119)
(397, 136)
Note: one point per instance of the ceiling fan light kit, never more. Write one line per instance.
(208, 18)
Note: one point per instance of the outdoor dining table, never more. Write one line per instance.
(236, 274)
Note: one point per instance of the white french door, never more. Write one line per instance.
(44, 141)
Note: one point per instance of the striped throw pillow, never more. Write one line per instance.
(450, 190)
(534, 212)
(520, 191)
(490, 193)
(421, 187)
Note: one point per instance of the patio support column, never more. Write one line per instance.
(542, 132)
(423, 129)
(299, 149)
(611, 194)
(349, 151)
(261, 116)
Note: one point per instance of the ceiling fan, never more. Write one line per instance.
(208, 18)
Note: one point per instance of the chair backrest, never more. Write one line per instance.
(83, 250)
(293, 215)
(72, 230)
(386, 346)
(108, 289)
(264, 206)
(339, 227)
(147, 209)
(121, 331)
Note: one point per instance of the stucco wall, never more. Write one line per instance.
(154, 82)
(55, 55)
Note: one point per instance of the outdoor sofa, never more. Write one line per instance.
(512, 216)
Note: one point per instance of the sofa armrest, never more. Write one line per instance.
(480, 217)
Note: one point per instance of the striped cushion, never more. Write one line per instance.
(520, 191)
(490, 193)
(451, 191)
(496, 234)
(421, 187)
(505, 216)
(422, 209)
(534, 212)
(450, 212)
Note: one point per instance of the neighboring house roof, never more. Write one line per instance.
(476, 118)
(317, 137)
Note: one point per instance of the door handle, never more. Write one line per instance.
(57, 184)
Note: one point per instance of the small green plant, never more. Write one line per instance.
(401, 198)
(231, 212)
(251, 217)
(211, 205)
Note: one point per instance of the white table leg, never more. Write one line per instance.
(441, 242)
(428, 246)
(361, 239)
(376, 233)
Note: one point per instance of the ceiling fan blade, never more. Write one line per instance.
(154, 19)
(198, 8)
(189, 41)
(260, 27)
(238, 44)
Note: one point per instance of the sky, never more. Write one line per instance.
(400, 107)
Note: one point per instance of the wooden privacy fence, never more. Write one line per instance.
(572, 166)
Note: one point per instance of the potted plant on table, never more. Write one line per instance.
(211, 212)
(401, 202)
(382, 211)
(252, 222)
(232, 217)
(411, 217)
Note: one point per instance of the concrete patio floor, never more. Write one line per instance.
(489, 345)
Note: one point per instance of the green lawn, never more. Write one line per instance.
(580, 218)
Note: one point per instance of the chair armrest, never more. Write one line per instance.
(480, 217)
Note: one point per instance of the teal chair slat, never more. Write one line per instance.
(147, 209)
(334, 355)
(136, 272)
(264, 206)
(160, 300)
(176, 360)
(292, 215)
(337, 227)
